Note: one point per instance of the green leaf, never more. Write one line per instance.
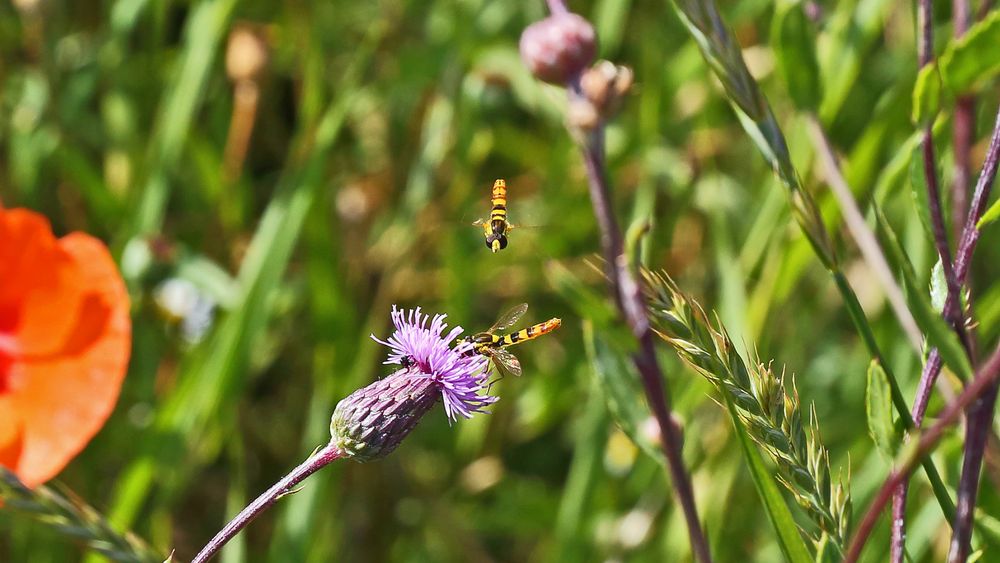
(926, 95)
(850, 31)
(795, 50)
(975, 57)
(918, 189)
(992, 214)
(939, 287)
(619, 382)
(878, 406)
(792, 545)
(937, 331)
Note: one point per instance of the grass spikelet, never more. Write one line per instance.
(767, 404)
(723, 54)
(67, 514)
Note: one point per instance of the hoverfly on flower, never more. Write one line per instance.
(494, 346)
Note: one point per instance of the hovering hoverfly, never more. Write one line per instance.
(496, 228)
(495, 346)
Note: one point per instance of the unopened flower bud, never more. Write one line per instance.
(372, 421)
(604, 85)
(596, 82)
(246, 54)
(558, 47)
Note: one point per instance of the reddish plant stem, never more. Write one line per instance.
(941, 237)
(980, 199)
(925, 46)
(963, 134)
(630, 302)
(980, 415)
(984, 9)
(977, 431)
(313, 463)
(963, 257)
(925, 54)
(980, 384)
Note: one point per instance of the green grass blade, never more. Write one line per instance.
(939, 334)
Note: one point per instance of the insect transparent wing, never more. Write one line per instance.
(512, 226)
(509, 318)
(506, 363)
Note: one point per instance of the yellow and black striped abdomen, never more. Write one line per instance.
(530, 333)
(499, 200)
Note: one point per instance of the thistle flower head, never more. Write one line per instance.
(372, 421)
(458, 374)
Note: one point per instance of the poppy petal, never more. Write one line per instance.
(11, 435)
(64, 398)
(38, 285)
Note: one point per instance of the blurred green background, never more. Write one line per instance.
(266, 219)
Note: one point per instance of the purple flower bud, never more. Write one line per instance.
(372, 421)
(559, 47)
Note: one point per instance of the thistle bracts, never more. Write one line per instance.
(372, 421)
(767, 408)
(72, 517)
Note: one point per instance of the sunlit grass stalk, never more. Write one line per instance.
(863, 235)
(722, 52)
(71, 517)
(769, 411)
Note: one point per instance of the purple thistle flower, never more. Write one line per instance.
(458, 375)
(372, 421)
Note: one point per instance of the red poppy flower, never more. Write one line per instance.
(65, 337)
